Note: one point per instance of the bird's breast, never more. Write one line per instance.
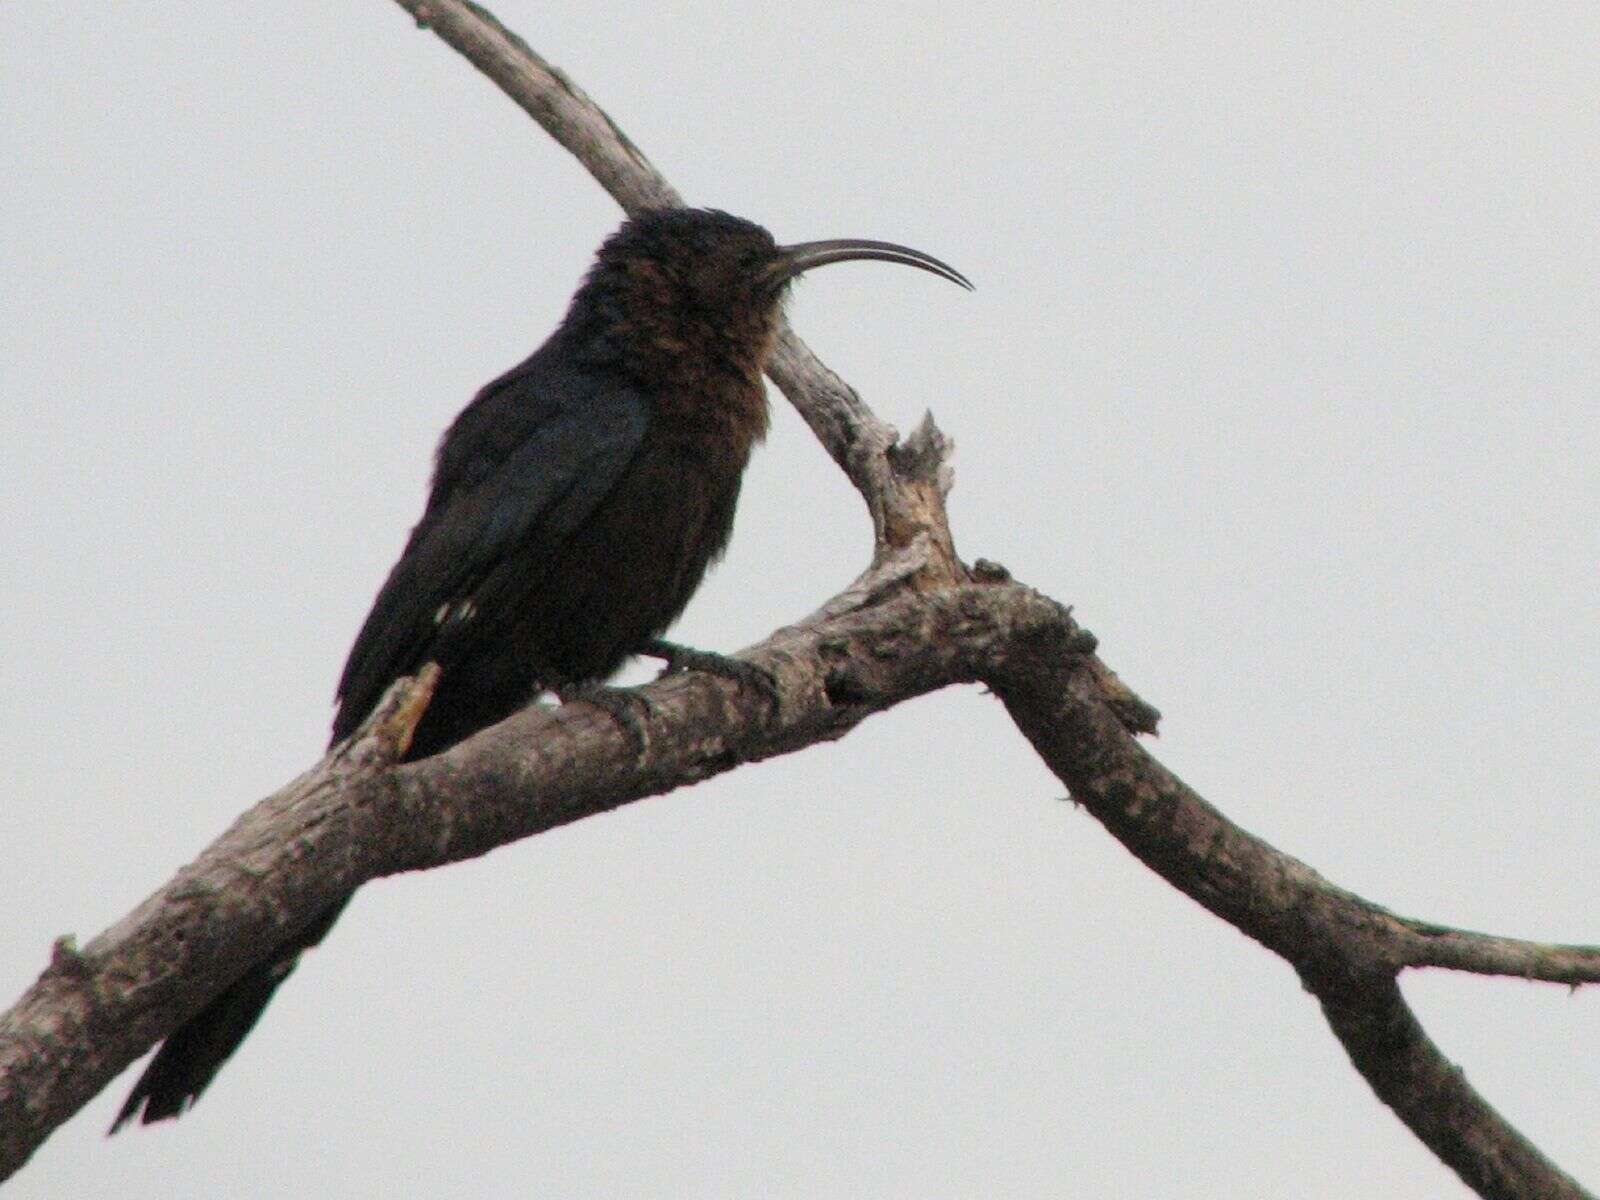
(628, 572)
(717, 412)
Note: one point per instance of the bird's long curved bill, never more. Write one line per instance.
(805, 255)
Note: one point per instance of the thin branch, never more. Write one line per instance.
(1430, 945)
(1346, 949)
(903, 503)
(1409, 1073)
(546, 94)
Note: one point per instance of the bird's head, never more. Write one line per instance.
(700, 281)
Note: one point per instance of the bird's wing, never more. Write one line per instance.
(574, 436)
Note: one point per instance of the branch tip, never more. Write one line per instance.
(66, 958)
(385, 736)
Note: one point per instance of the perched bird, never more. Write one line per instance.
(576, 504)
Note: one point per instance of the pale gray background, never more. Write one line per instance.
(1281, 368)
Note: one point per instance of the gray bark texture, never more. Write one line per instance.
(917, 620)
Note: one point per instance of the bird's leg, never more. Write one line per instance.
(626, 707)
(686, 658)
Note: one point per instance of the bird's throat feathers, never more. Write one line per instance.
(691, 321)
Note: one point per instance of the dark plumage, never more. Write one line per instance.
(576, 504)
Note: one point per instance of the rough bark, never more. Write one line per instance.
(916, 621)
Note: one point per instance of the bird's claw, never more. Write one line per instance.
(686, 658)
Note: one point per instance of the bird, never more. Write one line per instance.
(576, 504)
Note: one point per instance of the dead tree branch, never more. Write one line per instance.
(355, 816)
(916, 621)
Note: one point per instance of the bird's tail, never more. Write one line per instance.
(193, 1053)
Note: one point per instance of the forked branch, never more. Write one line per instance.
(916, 621)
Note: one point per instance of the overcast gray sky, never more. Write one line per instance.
(1281, 369)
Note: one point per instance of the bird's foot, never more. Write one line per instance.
(628, 708)
(745, 674)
